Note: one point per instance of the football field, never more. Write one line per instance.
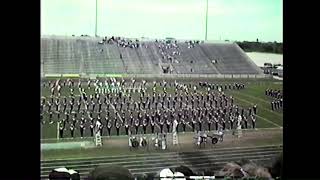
(253, 93)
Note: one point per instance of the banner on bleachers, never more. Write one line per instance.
(71, 75)
(52, 75)
(110, 75)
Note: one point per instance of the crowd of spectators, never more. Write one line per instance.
(241, 169)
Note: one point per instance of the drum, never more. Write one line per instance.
(144, 143)
(214, 140)
(135, 143)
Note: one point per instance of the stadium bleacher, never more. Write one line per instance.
(85, 55)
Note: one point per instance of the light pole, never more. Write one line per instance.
(96, 18)
(206, 21)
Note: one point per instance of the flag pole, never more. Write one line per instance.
(206, 21)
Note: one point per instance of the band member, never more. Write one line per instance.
(253, 119)
(272, 105)
(168, 125)
(79, 106)
(91, 129)
(200, 124)
(109, 125)
(52, 91)
(161, 125)
(121, 105)
(136, 124)
(209, 123)
(100, 105)
(118, 128)
(231, 122)
(41, 119)
(223, 123)
(49, 106)
(149, 105)
(50, 117)
(216, 123)
(193, 124)
(74, 121)
(91, 119)
(63, 121)
(82, 128)
(156, 104)
(131, 118)
(71, 92)
(245, 122)
(71, 106)
(184, 123)
(126, 126)
(144, 126)
(250, 111)
(89, 84)
(49, 83)
(61, 129)
(72, 130)
(152, 125)
(57, 104)
(255, 109)
(93, 106)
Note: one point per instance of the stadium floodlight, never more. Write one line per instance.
(96, 34)
(206, 21)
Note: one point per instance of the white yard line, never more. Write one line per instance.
(263, 101)
(257, 115)
(269, 121)
(253, 97)
(260, 107)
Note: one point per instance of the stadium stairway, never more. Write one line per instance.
(153, 162)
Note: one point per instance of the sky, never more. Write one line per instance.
(235, 20)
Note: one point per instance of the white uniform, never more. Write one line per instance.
(130, 143)
(157, 142)
(164, 144)
(199, 140)
(239, 122)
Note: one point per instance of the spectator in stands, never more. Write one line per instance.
(185, 171)
(110, 172)
(232, 170)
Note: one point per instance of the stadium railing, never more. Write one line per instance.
(223, 76)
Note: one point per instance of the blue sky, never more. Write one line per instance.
(183, 19)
